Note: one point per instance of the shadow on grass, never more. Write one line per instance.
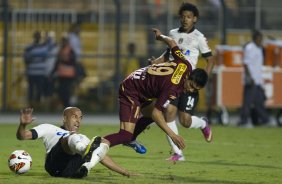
(187, 179)
(225, 163)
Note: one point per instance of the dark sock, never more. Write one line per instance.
(141, 125)
(121, 137)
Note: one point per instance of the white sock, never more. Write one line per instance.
(78, 143)
(97, 155)
(198, 123)
(173, 127)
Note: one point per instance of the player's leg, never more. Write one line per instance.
(142, 123)
(170, 116)
(59, 163)
(94, 153)
(186, 106)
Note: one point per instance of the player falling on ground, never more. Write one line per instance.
(191, 42)
(68, 153)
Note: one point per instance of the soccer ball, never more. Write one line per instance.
(20, 161)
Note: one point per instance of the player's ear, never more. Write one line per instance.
(195, 19)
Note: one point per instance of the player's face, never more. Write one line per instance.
(187, 20)
(191, 86)
(72, 120)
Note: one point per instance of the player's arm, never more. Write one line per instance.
(159, 36)
(210, 63)
(25, 119)
(110, 164)
(158, 117)
(163, 58)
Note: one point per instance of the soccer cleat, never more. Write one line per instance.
(207, 131)
(81, 173)
(176, 157)
(93, 144)
(139, 148)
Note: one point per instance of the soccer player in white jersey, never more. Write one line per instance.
(68, 153)
(191, 42)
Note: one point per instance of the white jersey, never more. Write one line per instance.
(253, 58)
(50, 135)
(191, 44)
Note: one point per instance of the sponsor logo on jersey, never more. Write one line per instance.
(166, 104)
(176, 77)
(187, 53)
(180, 40)
(179, 54)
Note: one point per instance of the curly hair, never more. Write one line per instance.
(189, 7)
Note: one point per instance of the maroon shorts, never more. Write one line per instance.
(129, 107)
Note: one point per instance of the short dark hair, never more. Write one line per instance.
(256, 34)
(189, 7)
(199, 76)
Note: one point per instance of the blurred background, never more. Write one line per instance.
(114, 37)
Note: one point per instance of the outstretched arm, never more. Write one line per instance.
(25, 119)
(159, 36)
(109, 163)
(158, 117)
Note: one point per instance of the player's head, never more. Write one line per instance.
(37, 36)
(196, 80)
(72, 117)
(189, 15)
(257, 37)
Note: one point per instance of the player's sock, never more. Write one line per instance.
(121, 137)
(141, 125)
(173, 127)
(97, 155)
(77, 143)
(198, 123)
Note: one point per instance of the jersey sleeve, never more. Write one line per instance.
(179, 57)
(164, 100)
(40, 130)
(204, 47)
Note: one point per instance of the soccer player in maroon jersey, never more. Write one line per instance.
(163, 82)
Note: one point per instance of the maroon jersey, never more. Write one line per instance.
(164, 81)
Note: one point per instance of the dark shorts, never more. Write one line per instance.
(186, 102)
(60, 164)
(129, 108)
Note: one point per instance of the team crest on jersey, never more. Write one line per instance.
(180, 40)
(176, 77)
(179, 54)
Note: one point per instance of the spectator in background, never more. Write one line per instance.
(253, 96)
(132, 63)
(74, 39)
(34, 57)
(50, 64)
(64, 72)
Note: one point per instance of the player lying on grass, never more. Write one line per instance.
(68, 153)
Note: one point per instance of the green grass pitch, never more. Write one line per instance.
(239, 156)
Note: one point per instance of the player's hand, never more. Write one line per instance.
(151, 60)
(158, 33)
(26, 116)
(179, 141)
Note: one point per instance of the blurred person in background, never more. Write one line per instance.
(74, 39)
(64, 72)
(253, 94)
(35, 62)
(131, 63)
(50, 64)
(191, 42)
